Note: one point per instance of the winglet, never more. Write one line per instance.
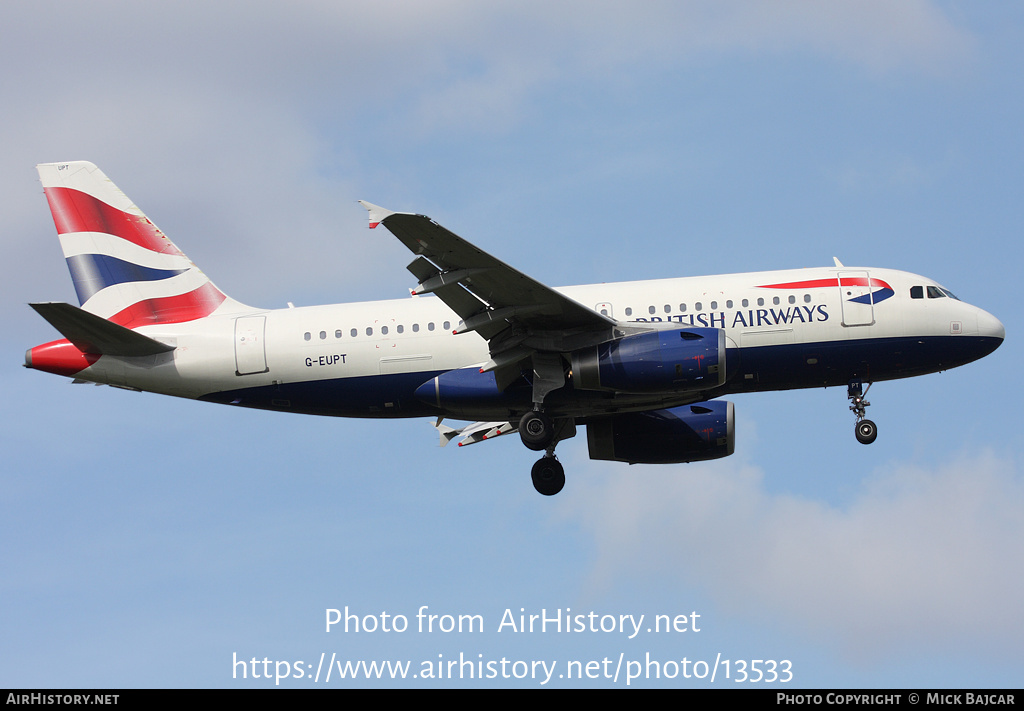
(377, 213)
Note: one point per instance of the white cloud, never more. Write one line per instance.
(483, 68)
(340, 57)
(253, 127)
(876, 34)
(923, 555)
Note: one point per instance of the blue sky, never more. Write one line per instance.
(147, 540)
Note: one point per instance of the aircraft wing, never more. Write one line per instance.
(514, 313)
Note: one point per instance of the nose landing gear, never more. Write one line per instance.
(865, 430)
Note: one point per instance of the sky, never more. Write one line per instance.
(147, 541)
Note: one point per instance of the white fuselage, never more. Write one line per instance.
(784, 329)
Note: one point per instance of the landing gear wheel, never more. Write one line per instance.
(866, 431)
(537, 431)
(548, 476)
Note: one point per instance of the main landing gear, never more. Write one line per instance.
(536, 430)
(540, 432)
(865, 430)
(548, 475)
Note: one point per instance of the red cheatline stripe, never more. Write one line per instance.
(171, 309)
(811, 284)
(865, 281)
(814, 283)
(75, 211)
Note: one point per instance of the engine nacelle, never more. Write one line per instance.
(675, 359)
(690, 433)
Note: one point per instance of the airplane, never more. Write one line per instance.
(640, 364)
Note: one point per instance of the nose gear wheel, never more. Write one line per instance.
(865, 430)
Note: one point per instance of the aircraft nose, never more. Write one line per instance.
(990, 327)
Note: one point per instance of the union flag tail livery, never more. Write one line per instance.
(640, 364)
(123, 267)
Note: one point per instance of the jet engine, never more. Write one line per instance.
(676, 359)
(690, 433)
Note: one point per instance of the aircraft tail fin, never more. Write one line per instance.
(124, 268)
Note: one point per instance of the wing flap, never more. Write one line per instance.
(475, 432)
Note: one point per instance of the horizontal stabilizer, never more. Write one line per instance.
(93, 334)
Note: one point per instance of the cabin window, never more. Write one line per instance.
(629, 311)
(415, 328)
(728, 303)
(792, 299)
(384, 330)
(354, 332)
(401, 328)
(760, 301)
(745, 303)
(337, 334)
(446, 325)
(650, 309)
(714, 306)
(682, 307)
(807, 298)
(323, 335)
(698, 306)
(369, 330)
(307, 335)
(430, 326)
(668, 309)
(775, 300)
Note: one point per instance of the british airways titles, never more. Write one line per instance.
(749, 318)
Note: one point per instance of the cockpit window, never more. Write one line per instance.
(934, 292)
